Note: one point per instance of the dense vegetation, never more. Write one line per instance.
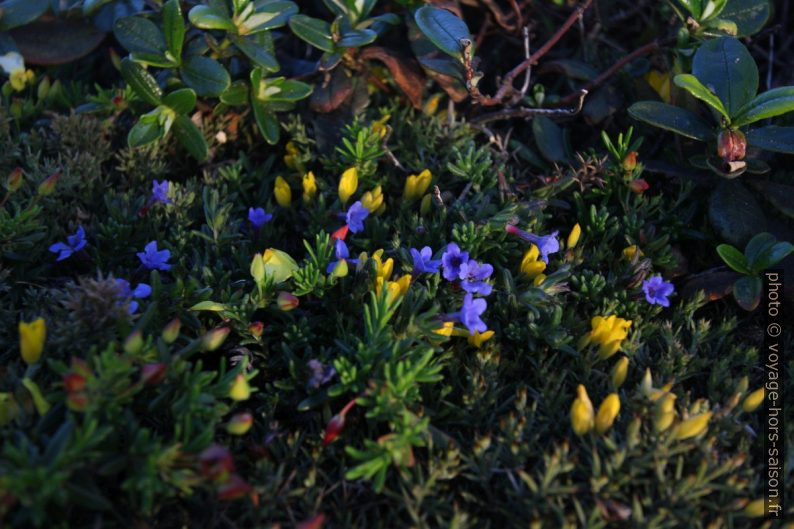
(349, 263)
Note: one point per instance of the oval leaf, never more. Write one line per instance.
(769, 104)
(212, 306)
(258, 48)
(17, 13)
(143, 133)
(691, 84)
(314, 31)
(173, 28)
(669, 117)
(747, 291)
(726, 68)
(733, 258)
(205, 17)
(550, 139)
(443, 28)
(748, 15)
(181, 101)
(190, 137)
(772, 138)
(142, 83)
(266, 121)
(140, 35)
(206, 76)
(357, 38)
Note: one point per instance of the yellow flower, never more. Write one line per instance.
(540, 278)
(629, 251)
(755, 509)
(692, 427)
(609, 333)
(582, 412)
(382, 269)
(619, 371)
(309, 187)
(664, 412)
(278, 265)
(348, 184)
(240, 389)
(416, 185)
(445, 329)
(531, 264)
(404, 282)
(31, 339)
(753, 400)
(431, 106)
(372, 200)
(240, 423)
(380, 127)
(607, 412)
(478, 338)
(573, 237)
(283, 192)
(291, 158)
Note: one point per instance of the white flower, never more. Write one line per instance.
(11, 62)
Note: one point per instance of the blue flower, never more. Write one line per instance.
(151, 258)
(473, 275)
(547, 244)
(656, 291)
(259, 217)
(452, 260)
(355, 217)
(74, 243)
(160, 192)
(320, 374)
(470, 314)
(142, 291)
(422, 261)
(342, 254)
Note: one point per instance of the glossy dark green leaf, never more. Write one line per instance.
(282, 90)
(748, 15)
(314, 31)
(173, 28)
(258, 48)
(747, 291)
(236, 94)
(733, 258)
(138, 34)
(204, 75)
(181, 101)
(356, 38)
(767, 105)
(726, 68)
(757, 245)
(691, 84)
(189, 136)
(142, 83)
(772, 138)
(443, 28)
(17, 13)
(269, 15)
(208, 17)
(772, 255)
(550, 139)
(143, 133)
(266, 121)
(669, 117)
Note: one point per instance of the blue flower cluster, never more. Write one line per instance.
(458, 266)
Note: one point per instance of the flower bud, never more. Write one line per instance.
(43, 88)
(372, 200)
(573, 237)
(337, 424)
(731, 145)
(14, 180)
(287, 301)
(171, 331)
(630, 161)
(134, 343)
(240, 423)
(309, 187)
(755, 509)
(153, 373)
(256, 328)
(77, 401)
(48, 185)
(233, 488)
(215, 338)
(424, 206)
(340, 234)
(31, 339)
(73, 382)
(283, 192)
(279, 265)
(216, 462)
(348, 184)
(240, 389)
(582, 416)
(639, 186)
(619, 371)
(692, 427)
(607, 412)
(664, 412)
(753, 400)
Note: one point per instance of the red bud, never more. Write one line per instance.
(630, 161)
(48, 185)
(73, 382)
(14, 179)
(153, 374)
(337, 424)
(731, 145)
(256, 328)
(287, 301)
(234, 488)
(77, 400)
(216, 461)
(639, 186)
(340, 234)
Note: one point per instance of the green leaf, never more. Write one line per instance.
(769, 104)
(726, 68)
(747, 292)
(733, 258)
(757, 245)
(173, 28)
(550, 139)
(748, 15)
(212, 306)
(269, 15)
(691, 84)
(206, 76)
(443, 28)
(266, 120)
(772, 255)
(139, 35)
(141, 81)
(356, 38)
(772, 138)
(711, 9)
(181, 101)
(207, 17)
(669, 117)
(258, 48)
(282, 90)
(143, 133)
(15, 13)
(314, 31)
(695, 7)
(158, 60)
(190, 137)
(236, 94)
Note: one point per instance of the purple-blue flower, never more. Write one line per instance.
(320, 374)
(423, 262)
(259, 217)
(656, 291)
(470, 314)
(142, 291)
(547, 244)
(152, 258)
(74, 243)
(160, 192)
(473, 275)
(342, 254)
(355, 217)
(452, 260)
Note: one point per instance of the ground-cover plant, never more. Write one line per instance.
(300, 293)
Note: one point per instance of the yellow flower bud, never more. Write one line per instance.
(404, 282)
(372, 200)
(573, 237)
(531, 264)
(630, 251)
(607, 412)
(416, 185)
(646, 386)
(692, 427)
(478, 338)
(445, 329)
(348, 184)
(240, 389)
(582, 420)
(664, 413)
(755, 509)
(291, 158)
(619, 371)
(424, 206)
(240, 423)
(380, 127)
(283, 192)
(278, 265)
(309, 187)
(753, 400)
(31, 339)
(431, 106)
(540, 278)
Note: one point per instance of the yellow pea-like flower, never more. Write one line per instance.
(445, 329)
(755, 509)
(278, 264)
(692, 427)
(416, 185)
(348, 184)
(283, 192)
(582, 415)
(573, 237)
(753, 400)
(478, 338)
(608, 333)
(31, 339)
(664, 413)
(309, 187)
(619, 371)
(607, 412)
(531, 264)
(373, 200)
(630, 251)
